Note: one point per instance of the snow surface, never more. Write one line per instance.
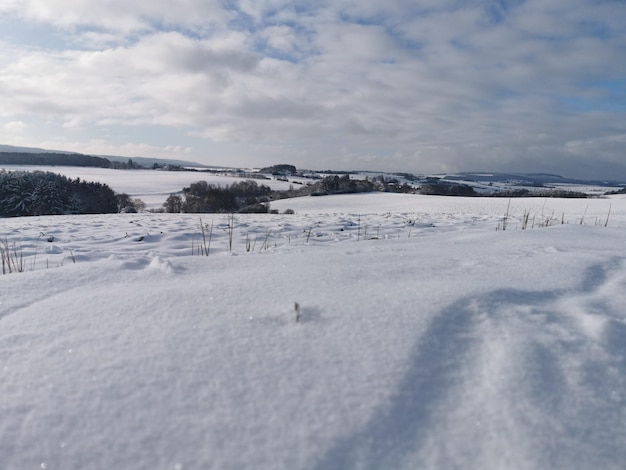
(427, 339)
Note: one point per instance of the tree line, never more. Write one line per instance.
(202, 197)
(249, 196)
(63, 159)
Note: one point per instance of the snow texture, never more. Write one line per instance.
(426, 337)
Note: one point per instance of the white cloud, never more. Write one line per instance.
(119, 15)
(282, 38)
(16, 126)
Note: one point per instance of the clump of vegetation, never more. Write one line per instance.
(342, 185)
(44, 193)
(202, 197)
(280, 170)
(129, 205)
(557, 193)
(335, 184)
(173, 204)
(12, 258)
(298, 310)
(204, 247)
(390, 184)
(620, 191)
(441, 188)
(256, 208)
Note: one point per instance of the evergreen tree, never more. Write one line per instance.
(44, 193)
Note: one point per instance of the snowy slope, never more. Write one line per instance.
(427, 338)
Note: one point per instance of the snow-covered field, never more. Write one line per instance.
(426, 338)
(152, 187)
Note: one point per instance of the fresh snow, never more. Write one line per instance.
(427, 338)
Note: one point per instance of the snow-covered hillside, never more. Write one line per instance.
(426, 337)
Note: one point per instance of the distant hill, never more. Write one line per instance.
(14, 149)
(13, 155)
(149, 162)
(53, 159)
(530, 179)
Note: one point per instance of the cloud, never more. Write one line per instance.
(16, 126)
(106, 147)
(419, 86)
(161, 77)
(282, 38)
(118, 15)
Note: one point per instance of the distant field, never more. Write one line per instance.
(151, 186)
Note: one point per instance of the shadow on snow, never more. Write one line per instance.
(589, 419)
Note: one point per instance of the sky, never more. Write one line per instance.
(403, 85)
